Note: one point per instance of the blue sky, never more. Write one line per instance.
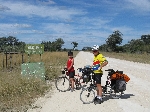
(86, 22)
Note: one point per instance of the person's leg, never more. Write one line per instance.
(72, 83)
(93, 77)
(72, 80)
(98, 84)
(99, 88)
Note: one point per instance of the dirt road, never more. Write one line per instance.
(136, 98)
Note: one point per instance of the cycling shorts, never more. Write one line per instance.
(97, 77)
(71, 74)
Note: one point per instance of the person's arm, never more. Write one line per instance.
(104, 62)
(71, 64)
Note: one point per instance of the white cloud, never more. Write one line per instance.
(93, 21)
(22, 9)
(11, 26)
(143, 5)
(45, 2)
(14, 29)
(22, 25)
(7, 28)
(61, 28)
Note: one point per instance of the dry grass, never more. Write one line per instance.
(18, 92)
(141, 58)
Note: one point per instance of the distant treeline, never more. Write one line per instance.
(12, 44)
(113, 44)
(114, 41)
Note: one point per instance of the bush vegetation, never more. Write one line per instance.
(18, 92)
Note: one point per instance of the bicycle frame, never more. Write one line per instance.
(77, 79)
(105, 87)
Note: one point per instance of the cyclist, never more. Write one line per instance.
(98, 63)
(70, 68)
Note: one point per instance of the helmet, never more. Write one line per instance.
(95, 47)
(70, 53)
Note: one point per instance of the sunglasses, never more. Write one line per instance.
(95, 51)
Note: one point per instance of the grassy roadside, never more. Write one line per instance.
(17, 93)
(141, 58)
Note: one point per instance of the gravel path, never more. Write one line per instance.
(136, 98)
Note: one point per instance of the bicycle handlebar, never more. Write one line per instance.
(64, 69)
(82, 69)
(109, 70)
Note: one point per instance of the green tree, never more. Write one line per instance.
(59, 43)
(146, 39)
(12, 40)
(10, 44)
(75, 44)
(126, 48)
(114, 39)
(3, 41)
(53, 46)
(47, 45)
(136, 45)
(103, 47)
(86, 49)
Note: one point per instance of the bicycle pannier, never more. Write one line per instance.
(120, 85)
(120, 76)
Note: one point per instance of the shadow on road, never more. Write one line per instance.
(126, 96)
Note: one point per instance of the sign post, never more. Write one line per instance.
(36, 69)
(34, 49)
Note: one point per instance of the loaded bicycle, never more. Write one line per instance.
(111, 88)
(63, 84)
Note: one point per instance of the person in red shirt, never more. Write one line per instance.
(70, 68)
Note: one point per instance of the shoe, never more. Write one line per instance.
(72, 90)
(99, 101)
(95, 99)
(68, 89)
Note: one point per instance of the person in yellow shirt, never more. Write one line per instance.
(99, 62)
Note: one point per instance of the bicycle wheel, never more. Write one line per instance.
(62, 84)
(87, 95)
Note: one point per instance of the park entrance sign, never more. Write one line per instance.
(35, 69)
(34, 49)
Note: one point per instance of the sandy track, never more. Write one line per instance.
(136, 98)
